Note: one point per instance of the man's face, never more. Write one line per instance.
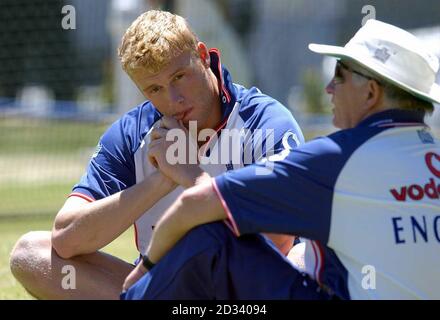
(348, 97)
(184, 89)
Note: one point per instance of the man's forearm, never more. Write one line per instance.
(88, 228)
(196, 206)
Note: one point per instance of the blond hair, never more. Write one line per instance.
(153, 39)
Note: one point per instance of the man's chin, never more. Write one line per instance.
(185, 124)
(192, 124)
(336, 124)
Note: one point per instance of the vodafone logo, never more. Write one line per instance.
(433, 163)
(418, 192)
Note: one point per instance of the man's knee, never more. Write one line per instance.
(209, 234)
(28, 253)
(209, 237)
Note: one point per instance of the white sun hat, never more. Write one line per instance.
(393, 54)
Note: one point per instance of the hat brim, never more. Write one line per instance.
(343, 53)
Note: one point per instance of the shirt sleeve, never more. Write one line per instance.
(271, 128)
(290, 196)
(111, 168)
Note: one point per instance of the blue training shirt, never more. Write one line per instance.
(260, 126)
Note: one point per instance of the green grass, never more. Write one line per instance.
(12, 228)
(28, 199)
(32, 136)
(41, 160)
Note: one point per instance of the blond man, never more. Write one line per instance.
(131, 178)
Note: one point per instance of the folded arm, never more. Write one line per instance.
(82, 227)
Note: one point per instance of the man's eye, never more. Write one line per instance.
(154, 90)
(338, 72)
(178, 77)
(338, 77)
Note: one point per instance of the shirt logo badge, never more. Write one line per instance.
(382, 55)
(425, 136)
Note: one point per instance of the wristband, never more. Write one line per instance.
(146, 262)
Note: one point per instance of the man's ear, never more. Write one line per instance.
(375, 95)
(204, 54)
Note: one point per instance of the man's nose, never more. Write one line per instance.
(330, 88)
(176, 98)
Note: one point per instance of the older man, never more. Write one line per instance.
(367, 196)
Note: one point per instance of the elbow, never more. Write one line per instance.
(201, 205)
(61, 243)
(68, 238)
(191, 199)
(199, 193)
(186, 197)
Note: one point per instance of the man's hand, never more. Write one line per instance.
(283, 242)
(166, 184)
(184, 173)
(134, 276)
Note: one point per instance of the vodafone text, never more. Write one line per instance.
(421, 227)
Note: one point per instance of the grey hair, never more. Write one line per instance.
(394, 94)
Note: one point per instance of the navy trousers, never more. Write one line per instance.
(211, 263)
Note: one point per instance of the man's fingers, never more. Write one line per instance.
(170, 123)
(153, 161)
(154, 152)
(129, 281)
(158, 133)
(133, 277)
(155, 143)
